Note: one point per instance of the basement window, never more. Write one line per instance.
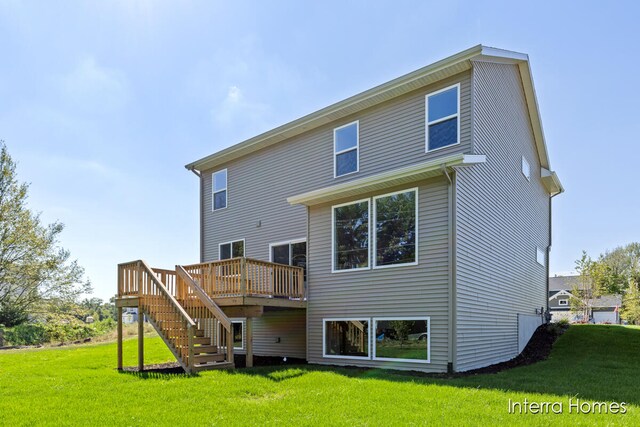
(219, 186)
(238, 335)
(346, 338)
(402, 339)
(443, 118)
(346, 149)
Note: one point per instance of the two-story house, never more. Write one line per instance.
(406, 227)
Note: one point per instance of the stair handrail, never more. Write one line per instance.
(211, 306)
(163, 289)
(206, 300)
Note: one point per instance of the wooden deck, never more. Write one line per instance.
(190, 306)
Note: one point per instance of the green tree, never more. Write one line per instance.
(631, 303)
(35, 272)
(402, 329)
(584, 287)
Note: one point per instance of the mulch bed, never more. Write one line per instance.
(538, 349)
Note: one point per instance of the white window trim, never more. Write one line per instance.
(244, 245)
(345, 319)
(563, 302)
(223, 345)
(333, 237)
(357, 148)
(375, 234)
(213, 190)
(286, 242)
(427, 122)
(528, 168)
(372, 326)
(540, 254)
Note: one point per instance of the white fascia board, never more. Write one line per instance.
(387, 179)
(551, 182)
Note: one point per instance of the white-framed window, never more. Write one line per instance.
(238, 335)
(564, 302)
(350, 230)
(442, 110)
(219, 189)
(346, 149)
(346, 338)
(395, 229)
(526, 170)
(292, 252)
(402, 339)
(228, 250)
(540, 258)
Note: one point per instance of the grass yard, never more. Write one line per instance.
(79, 386)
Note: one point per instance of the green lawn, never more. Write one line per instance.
(79, 386)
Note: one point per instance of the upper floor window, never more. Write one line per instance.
(219, 189)
(351, 236)
(563, 302)
(230, 250)
(443, 118)
(540, 256)
(395, 228)
(526, 170)
(345, 149)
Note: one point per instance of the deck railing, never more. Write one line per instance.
(248, 277)
(165, 313)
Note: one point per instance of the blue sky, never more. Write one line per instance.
(103, 103)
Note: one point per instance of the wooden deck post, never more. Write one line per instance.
(140, 339)
(120, 338)
(249, 342)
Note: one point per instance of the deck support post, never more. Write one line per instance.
(119, 338)
(140, 340)
(249, 342)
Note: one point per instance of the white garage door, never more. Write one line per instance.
(604, 317)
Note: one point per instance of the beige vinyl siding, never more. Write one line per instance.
(288, 325)
(420, 290)
(392, 135)
(501, 218)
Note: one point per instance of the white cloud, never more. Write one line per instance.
(95, 87)
(234, 107)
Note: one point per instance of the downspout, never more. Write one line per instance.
(548, 313)
(199, 175)
(451, 261)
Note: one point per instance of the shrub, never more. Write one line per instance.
(62, 329)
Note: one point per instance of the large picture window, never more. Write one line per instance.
(345, 149)
(395, 229)
(443, 118)
(402, 339)
(219, 186)
(348, 338)
(351, 236)
(230, 250)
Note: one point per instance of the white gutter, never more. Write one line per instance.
(384, 180)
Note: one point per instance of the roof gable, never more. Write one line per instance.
(430, 74)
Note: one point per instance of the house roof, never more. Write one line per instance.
(560, 283)
(437, 71)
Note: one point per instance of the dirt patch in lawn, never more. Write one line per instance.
(240, 361)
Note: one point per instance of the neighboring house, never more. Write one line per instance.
(414, 220)
(602, 309)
